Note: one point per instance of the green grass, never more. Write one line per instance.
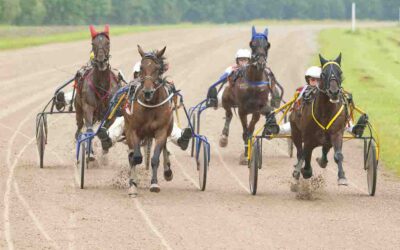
(371, 66)
(15, 37)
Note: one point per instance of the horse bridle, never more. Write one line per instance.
(255, 56)
(332, 75)
(98, 48)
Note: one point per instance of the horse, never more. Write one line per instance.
(321, 122)
(95, 88)
(150, 117)
(248, 90)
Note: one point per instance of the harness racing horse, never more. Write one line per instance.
(95, 88)
(248, 90)
(151, 117)
(321, 122)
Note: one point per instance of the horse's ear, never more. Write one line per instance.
(93, 31)
(322, 60)
(266, 32)
(339, 59)
(253, 31)
(141, 52)
(107, 30)
(160, 53)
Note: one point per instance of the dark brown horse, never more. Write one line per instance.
(151, 117)
(321, 122)
(248, 90)
(96, 87)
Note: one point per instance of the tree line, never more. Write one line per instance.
(78, 12)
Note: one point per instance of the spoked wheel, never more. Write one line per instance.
(254, 165)
(371, 165)
(193, 137)
(41, 139)
(202, 164)
(83, 163)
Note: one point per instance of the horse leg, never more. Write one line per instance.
(323, 160)
(298, 143)
(223, 141)
(106, 142)
(88, 116)
(160, 141)
(79, 119)
(337, 141)
(245, 136)
(168, 175)
(134, 159)
(307, 170)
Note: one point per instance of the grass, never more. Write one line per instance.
(15, 37)
(371, 66)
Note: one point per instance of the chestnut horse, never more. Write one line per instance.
(95, 88)
(151, 117)
(321, 122)
(248, 90)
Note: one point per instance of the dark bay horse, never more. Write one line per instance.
(321, 122)
(96, 87)
(248, 90)
(151, 117)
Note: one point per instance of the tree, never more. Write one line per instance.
(11, 10)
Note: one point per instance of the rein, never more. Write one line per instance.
(94, 88)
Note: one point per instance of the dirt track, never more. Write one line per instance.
(43, 208)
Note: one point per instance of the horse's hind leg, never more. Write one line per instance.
(168, 175)
(223, 141)
(337, 141)
(134, 158)
(323, 160)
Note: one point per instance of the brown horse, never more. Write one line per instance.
(151, 117)
(248, 90)
(321, 122)
(96, 87)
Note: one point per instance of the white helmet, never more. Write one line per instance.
(243, 53)
(136, 68)
(314, 72)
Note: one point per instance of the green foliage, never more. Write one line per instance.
(370, 61)
(72, 12)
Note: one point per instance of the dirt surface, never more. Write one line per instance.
(44, 209)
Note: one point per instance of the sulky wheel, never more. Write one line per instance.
(254, 165)
(202, 164)
(41, 139)
(193, 137)
(83, 163)
(371, 165)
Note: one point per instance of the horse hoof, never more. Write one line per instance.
(223, 141)
(321, 162)
(168, 175)
(132, 191)
(307, 174)
(342, 182)
(296, 174)
(243, 160)
(91, 158)
(155, 188)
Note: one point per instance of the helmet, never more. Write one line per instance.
(243, 53)
(136, 68)
(313, 71)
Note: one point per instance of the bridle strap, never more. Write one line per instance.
(332, 62)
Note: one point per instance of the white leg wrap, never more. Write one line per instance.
(175, 134)
(285, 128)
(68, 97)
(220, 97)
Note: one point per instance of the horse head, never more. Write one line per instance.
(331, 78)
(151, 70)
(259, 48)
(100, 47)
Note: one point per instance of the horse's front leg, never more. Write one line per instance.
(323, 160)
(298, 142)
(79, 117)
(337, 141)
(307, 153)
(88, 112)
(168, 175)
(254, 119)
(106, 142)
(245, 136)
(135, 158)
(160, 141)
(223, 141)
